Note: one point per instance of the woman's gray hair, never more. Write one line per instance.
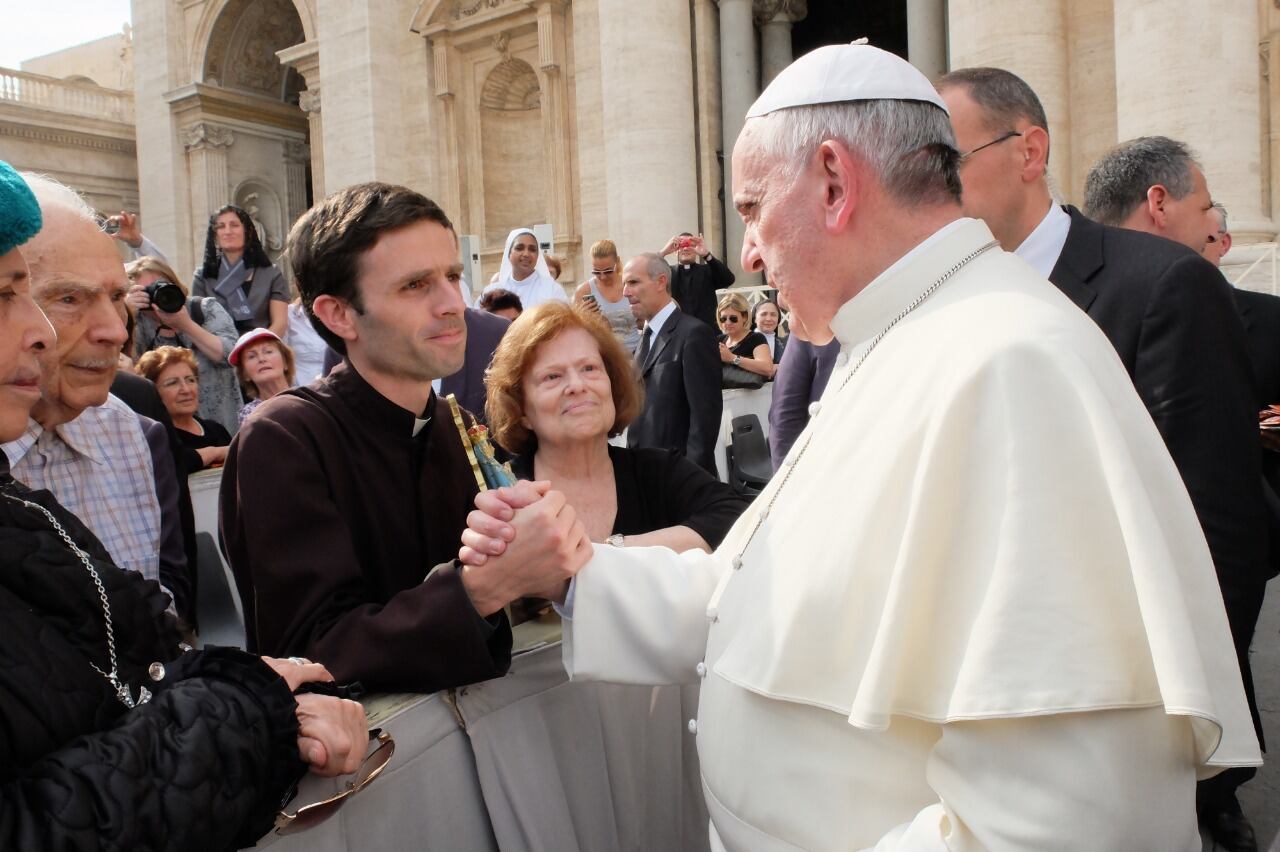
(54, 195)
(909, 145)
(1119, 181)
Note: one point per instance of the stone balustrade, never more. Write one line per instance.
(50, 93)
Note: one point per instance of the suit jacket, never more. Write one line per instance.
(1261, 315)
(1172, 319)
(484, 333)
(682, 402)
(801, 378)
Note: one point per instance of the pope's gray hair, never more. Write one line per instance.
(909, 145)
(53, 195)
(1119, 181)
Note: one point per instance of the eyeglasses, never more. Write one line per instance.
(309, 816)
(600, 273)
(996, 141)
(728, 318)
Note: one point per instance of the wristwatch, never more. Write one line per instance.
(737, 359)
(615, 540)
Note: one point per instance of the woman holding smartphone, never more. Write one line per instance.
(602, 293)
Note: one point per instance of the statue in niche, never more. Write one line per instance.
(269, 241)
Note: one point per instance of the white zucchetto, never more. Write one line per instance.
(845, 72)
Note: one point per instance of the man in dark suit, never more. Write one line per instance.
(484, 333)
(696, 278)
(679, 363)
(1170, 315)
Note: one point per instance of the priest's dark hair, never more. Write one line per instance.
(1004, 97)
(1119, 181)
(254, 253)
(326, 242)
(909, 145)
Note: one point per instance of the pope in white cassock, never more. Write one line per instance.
(974, 608)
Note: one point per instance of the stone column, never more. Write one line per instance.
(927, 36)
(646, 88)
(309, 102)
(305, 58)
(1217, 47)
(776, 18)
(296, 157)
(206, 144)
(739, 87)
(555, 114)
(1027, 37)
(450, 190)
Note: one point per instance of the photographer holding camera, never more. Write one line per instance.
(167, 315)
(696, 277)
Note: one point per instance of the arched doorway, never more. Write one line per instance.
(246, 139)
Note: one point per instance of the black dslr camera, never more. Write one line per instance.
(165, 296)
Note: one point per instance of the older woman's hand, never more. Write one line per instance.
(488, 529)
(296, 671)
(333, 734)
(726, 354)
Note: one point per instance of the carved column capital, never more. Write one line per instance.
(297, 152)
(203, 135)
(780, 11)
(309, 100)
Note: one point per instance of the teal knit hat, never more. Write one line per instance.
(19, 211)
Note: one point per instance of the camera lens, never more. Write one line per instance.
(166, 296)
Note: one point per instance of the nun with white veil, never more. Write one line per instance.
(524, 271)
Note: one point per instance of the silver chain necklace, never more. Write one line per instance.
(792, 463)
(123, 693)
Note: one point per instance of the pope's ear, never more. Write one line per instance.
(839, 184)
(337, 315)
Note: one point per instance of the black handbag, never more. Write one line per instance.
(733, 377)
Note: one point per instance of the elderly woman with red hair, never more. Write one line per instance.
(174, 372)
(559, 387)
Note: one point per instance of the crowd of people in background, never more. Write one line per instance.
(324, 399)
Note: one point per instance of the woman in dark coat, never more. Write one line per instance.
(237, 272)
(112, 737)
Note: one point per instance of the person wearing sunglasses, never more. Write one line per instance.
(111, 735)
(602, 293)
(740, 345)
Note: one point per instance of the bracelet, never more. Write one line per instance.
(737, 360)
(616, 540)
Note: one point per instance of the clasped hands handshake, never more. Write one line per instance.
(521, 541)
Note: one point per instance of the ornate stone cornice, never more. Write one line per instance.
(206, 135)
(468, 8)
(65, 137)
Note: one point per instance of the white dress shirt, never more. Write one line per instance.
(1043, 246)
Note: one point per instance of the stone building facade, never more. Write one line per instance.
(614, 118)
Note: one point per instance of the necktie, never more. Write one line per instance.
(645, 340)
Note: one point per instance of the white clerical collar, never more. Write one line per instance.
(1043, 246)
(867, 313)
(660, 318)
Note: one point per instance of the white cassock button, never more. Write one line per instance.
(737, 563)
(693, 726)
(701, 669)
(814, 408)
(764, 514)
(842, 359)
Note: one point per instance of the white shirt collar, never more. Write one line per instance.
(660, 319)
(1043, 246)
